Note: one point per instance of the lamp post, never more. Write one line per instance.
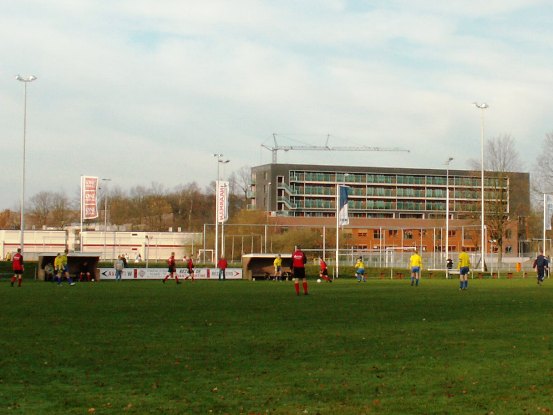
(105, 214)
(25, 80)
(482, 107)
(449, 160)
(219, 162)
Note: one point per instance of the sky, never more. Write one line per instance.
(145, 92)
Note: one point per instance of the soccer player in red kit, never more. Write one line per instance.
(172, 268)
(323, 273)
(17, 266)
(298, 269)
(190, 266)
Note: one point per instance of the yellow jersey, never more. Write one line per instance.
(415, 260)
(278, 262)
(464, 260)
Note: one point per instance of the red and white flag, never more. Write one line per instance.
(89, 193)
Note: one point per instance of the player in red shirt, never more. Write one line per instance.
(18, 268)
(172, 269)
(323, 273)
(190, 266)
(298, 269)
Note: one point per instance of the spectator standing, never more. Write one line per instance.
(222, 265)
(119, 265)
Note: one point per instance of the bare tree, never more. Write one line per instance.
(501, 157)
(241, 181)
(41, 206)
(62, 212)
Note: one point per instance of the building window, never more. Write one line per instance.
(376, 234)
(407, 234)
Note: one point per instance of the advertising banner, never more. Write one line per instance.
(89, 193)
(222, 201)
(160, 273)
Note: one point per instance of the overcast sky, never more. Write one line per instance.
(144, 91)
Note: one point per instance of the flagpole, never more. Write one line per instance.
(337, 228)
(81, 232)
(544, 216)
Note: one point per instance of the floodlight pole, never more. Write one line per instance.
(449, 160)
(482, 107)
(25, 80)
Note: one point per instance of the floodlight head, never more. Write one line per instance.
(29, 78)
(482, 106)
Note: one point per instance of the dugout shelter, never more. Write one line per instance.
(75, 263)
(260, 266)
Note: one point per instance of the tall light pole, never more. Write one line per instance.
(482, 107)
(220, 161)
(449, 160)
(105, 214)
(25, 80)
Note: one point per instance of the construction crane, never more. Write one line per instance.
(274, 149)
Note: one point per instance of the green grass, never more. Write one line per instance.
(241, 347)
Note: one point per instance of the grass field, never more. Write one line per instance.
(240, 347)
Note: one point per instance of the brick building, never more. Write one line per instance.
(397, 207)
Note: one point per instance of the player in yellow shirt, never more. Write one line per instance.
(464, 268)
(62, 270)
(415, 263)
(277, 263)
(360, 270)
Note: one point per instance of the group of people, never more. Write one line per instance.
(415, 265)
(60, 269)
(172, 268)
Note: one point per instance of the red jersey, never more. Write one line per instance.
(322, 264)
(190, 264)
(222, 264)
(171, 262)
(17, 262)
(298, 259)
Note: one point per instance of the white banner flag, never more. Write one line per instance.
(89, 192)
(343, 215)
(222, 201)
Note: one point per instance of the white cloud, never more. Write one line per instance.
(143, 91)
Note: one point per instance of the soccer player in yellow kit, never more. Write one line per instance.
(415, 263)
(62, 270)
(277, 263)
(464, 268)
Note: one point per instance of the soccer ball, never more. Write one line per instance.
(318, 280)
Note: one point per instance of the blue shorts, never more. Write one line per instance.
(415, 269)
(464, 270)
(360, 271)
